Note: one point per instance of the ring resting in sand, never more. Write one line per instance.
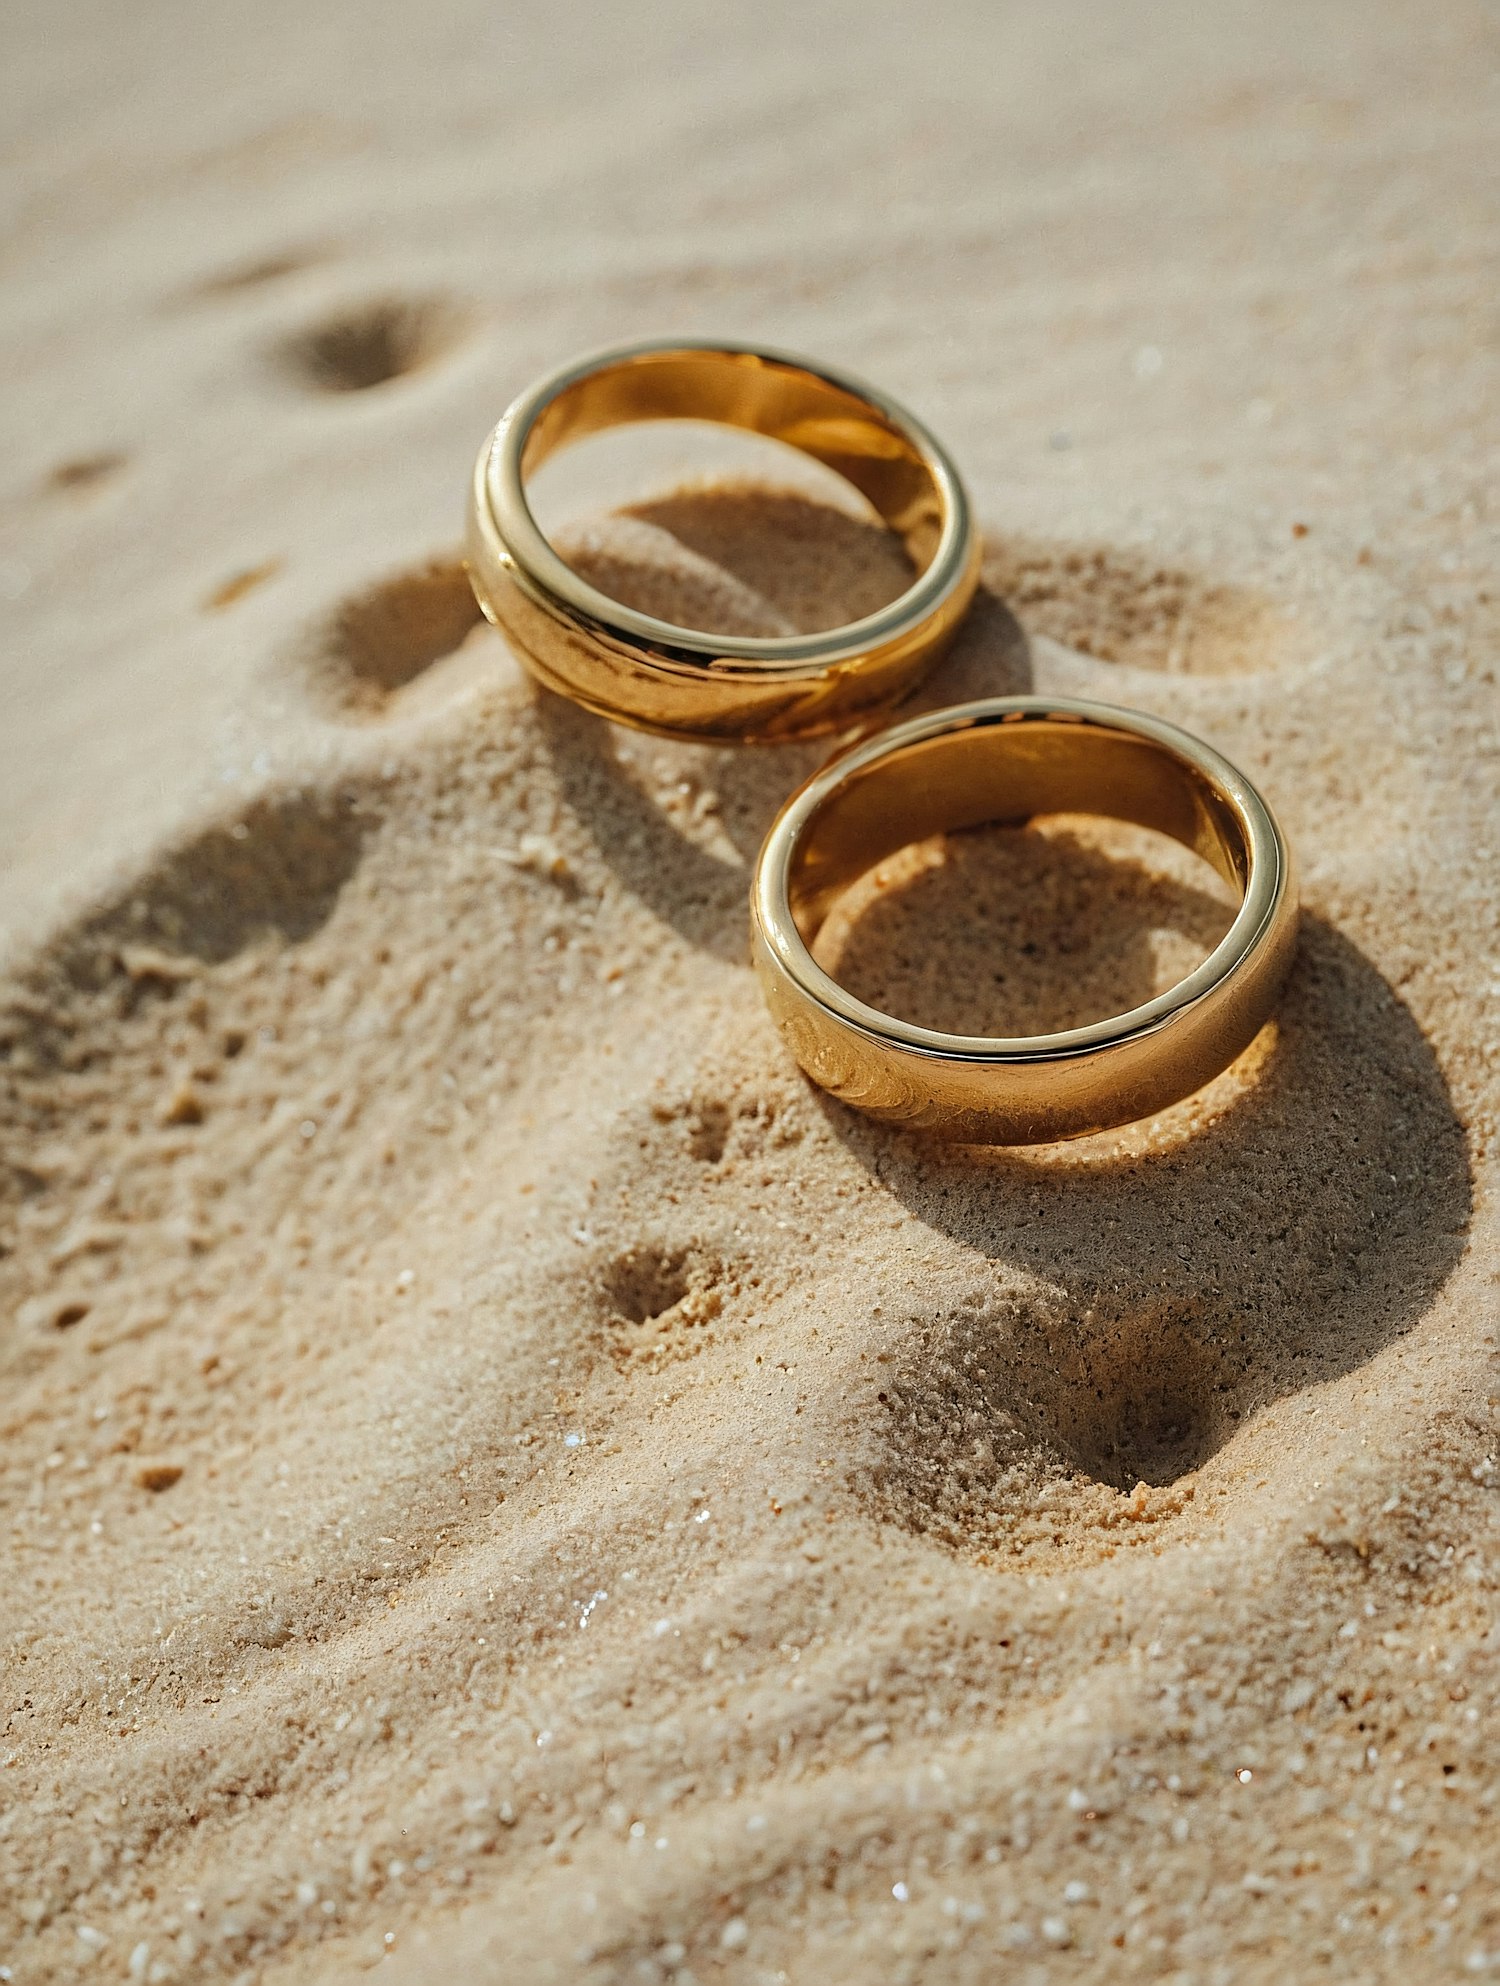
(1002, 762)
(656, 676)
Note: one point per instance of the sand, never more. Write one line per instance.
(501, 1481)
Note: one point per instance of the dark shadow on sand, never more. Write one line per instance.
(700, 894)
(1300, 1231)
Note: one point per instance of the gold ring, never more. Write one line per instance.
(1002, 762)
(649, 673)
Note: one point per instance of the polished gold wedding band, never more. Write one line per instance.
(1003, 762)
(686, 683)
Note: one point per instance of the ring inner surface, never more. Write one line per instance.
(786, 403)
(1002, 775)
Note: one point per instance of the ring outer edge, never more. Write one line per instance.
(1045, 1087)
(681, 682)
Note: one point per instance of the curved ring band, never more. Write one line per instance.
(649, 673)
(1002, 762)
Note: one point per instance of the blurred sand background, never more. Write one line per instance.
(502, 1482)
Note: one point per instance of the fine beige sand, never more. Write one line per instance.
(499, 1480)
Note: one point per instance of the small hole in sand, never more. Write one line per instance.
(643, 1284)
(255, 273)
(382, 641)
(658, 1299)
(1004, 931)
(158, 1474)
(239, 584)
(86, 472)
(69, 1314)
(1140, 1400)
(1008, 1434)
(713, 1125)
(709, 1126)
(372, 344)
